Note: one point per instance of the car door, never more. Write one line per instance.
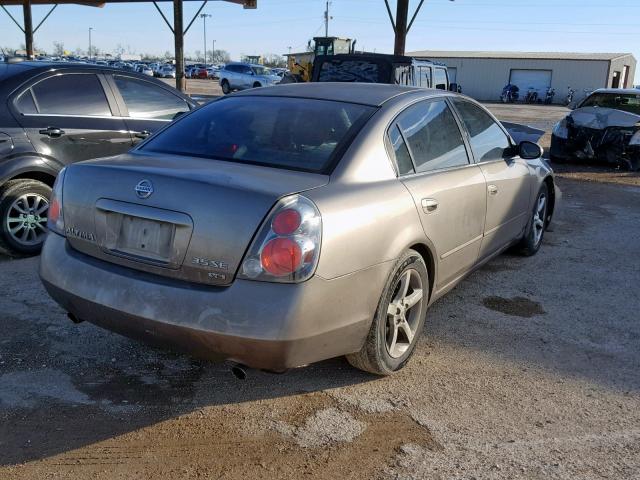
(448, 189)
(231, 75)
(146, 107)
(507, 175)
(247, 77)
(69, 117)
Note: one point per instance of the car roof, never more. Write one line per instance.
(17, 73)
(630, 91)
(247, 64)
(373, 94)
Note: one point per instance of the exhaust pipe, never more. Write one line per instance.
(73, 318)
(238, 370)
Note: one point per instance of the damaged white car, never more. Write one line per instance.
(605, 127)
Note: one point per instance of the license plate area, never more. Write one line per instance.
(145, 239)
(143, 234)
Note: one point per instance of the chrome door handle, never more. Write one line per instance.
(492, 189)
(143, 134)
(53, 132)
(429, 205)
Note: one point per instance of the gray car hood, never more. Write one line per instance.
(599, 118)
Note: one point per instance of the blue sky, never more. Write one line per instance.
(525, 25)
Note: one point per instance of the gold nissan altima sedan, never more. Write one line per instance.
(286, 225)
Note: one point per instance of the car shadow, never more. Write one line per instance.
(64, 397)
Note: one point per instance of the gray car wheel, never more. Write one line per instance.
(226, 88)
(399, 319)
(24, 205)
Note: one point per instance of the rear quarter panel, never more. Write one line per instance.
(368, 215)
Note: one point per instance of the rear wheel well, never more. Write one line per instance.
(426, 255)
(39, 176)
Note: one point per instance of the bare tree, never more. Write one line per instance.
(274, 60)
(219, 56)
(58, 49)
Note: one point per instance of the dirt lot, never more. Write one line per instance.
(528, 369)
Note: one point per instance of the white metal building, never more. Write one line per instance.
(482, 75)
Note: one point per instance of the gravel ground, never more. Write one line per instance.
(528, 369)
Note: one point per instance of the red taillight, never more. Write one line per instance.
(281, 256)
(55, 216)
(54, 210)
(286, 222)
(287, 246)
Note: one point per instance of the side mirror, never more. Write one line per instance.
(530, 150)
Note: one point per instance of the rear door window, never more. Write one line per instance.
(292, 133)
(71, 94)
(25, 103)
(400, 150)
(433, 136)
(146, 100)
(488, 140)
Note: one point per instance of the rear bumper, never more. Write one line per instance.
(263, 325)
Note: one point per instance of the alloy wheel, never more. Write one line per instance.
(539, 215)
(26, 219)
(403, 313)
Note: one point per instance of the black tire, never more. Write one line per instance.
(532, 239)
(226, 88)
(10, 193)
(256, 85)
(375, 357)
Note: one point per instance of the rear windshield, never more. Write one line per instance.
(628, 102)
(292, 133)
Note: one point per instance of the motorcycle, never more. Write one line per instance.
(510, 94)
(532, 96)
(548, 99)
(569, 100)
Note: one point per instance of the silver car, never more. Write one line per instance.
(240, 76)
(282, 226)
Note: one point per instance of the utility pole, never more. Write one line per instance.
(90, 28)
(326, 19)
(401, 25)
(204, 16)
(402, 12)
(178, 36)
(28, 29)
(213, 52)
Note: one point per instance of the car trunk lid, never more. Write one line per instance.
(180, 217)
